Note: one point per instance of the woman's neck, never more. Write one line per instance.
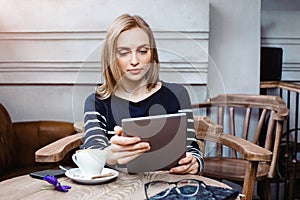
(130, 87)
(135, 92)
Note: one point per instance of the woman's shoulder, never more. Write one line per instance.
(174, 87)
(93, 98)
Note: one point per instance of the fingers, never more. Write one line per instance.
(125, 149)
(188, 164)
(118, 130)
(121, 140)
(186, 160)
(124, 154)
(130, 146)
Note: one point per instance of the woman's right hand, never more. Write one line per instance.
(124, 149)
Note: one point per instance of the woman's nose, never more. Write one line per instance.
(134, 59)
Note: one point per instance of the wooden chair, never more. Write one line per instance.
(254, 125)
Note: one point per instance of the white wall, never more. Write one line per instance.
(234, 47)
(49, 59)
(50, 50)
(62, 38)
(280, 28)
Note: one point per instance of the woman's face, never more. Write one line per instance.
(133, 53)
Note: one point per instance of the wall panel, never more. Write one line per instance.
(51, 48)
(280, 28)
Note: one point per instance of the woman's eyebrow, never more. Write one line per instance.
(123, 48)
(144, 45)
(139, 47)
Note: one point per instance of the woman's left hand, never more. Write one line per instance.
(187, 165)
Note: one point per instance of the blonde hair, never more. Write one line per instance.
(111, 71)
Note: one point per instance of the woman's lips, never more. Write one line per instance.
(135, 71)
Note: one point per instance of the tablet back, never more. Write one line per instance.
(167, 137)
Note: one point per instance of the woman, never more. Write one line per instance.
(132, 88)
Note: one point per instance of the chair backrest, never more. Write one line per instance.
(256, 118)
(6, 140)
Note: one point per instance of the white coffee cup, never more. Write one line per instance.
(90, 161)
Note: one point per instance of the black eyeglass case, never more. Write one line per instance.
(204, 193)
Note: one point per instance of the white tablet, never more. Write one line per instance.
(167, 137)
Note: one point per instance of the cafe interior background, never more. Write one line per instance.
(50, 49)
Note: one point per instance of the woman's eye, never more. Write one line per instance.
(123, 53)
(143, 51)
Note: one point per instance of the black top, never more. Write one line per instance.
(101, 116)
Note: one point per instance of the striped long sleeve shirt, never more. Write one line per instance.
(101, 116)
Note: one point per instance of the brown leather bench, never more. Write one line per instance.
(20, 140)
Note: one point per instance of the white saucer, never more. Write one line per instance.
(75, 175)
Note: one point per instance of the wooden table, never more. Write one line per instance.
(125, 186)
